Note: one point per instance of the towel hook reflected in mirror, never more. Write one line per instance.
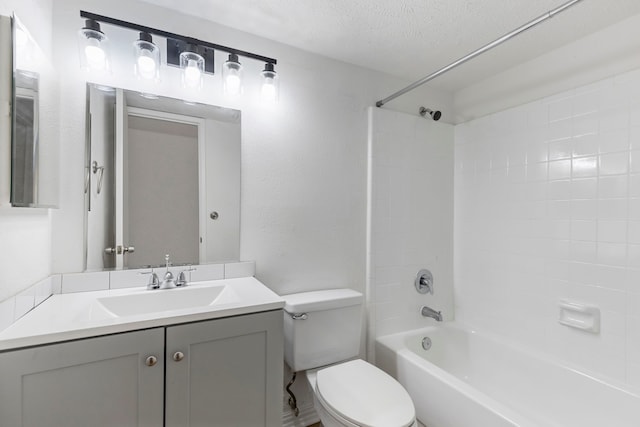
(95, 168)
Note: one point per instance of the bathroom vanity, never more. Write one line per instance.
(213, 364)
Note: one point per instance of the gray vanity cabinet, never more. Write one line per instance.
(228, 370)
(221, 372)
(101, 381)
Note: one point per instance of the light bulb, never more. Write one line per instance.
(232, 75)
(96, 57)
(268, 92)
(192, 74)
(232, 84)
(146, 64)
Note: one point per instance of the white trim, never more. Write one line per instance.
(121, 115)
(306, 417)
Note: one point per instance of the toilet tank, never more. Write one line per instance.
(321, 327)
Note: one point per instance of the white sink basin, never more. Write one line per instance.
(159, 300)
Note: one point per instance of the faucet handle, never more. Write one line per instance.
(181, 280)
(154, 282)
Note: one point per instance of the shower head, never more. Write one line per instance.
(435, 115)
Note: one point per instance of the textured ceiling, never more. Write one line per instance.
(412, 38)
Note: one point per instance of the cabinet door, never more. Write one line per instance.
(231, 373)
(95, 382)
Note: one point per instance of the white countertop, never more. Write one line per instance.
(72, 316)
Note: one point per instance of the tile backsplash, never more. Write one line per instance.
(17, 306)
(547, 207)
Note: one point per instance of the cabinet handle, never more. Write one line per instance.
(151, 361)
(178, 356)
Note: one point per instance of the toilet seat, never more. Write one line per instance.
(364, 395)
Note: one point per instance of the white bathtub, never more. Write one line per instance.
(469, 379)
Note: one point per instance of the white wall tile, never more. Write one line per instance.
(207, 272)
(614, 231)
(613, 187)
(587, 236)
(239, 269)
(559, 169)
(56, 283)
(82, 282)
(582, 167)
(418, 232)
(25, 301)
(7, 311)
(43, 290)
(614, 163)
(585, 145)
(129, 278)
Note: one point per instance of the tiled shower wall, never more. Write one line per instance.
(410, 219)
(547, 207)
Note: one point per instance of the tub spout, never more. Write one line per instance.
(429, 312)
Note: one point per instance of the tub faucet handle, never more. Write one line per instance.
(424, 282)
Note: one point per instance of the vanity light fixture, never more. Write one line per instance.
(232, 75)
(194, 57)
(93, 47)
(270, 84)
(192, 65)
(147, 58)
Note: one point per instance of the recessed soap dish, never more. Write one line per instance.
(585, 317)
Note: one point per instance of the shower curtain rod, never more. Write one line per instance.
(475, 53)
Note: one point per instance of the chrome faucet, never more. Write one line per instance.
(168, 281)
(429, 312)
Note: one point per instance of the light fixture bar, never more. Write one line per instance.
(168, 35)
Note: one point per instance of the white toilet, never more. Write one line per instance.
(322, 336)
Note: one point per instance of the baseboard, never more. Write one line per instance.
(306, 417)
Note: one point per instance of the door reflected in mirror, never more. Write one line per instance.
(157, 169)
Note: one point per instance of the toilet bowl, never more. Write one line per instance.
(322, 337)
(357, 394)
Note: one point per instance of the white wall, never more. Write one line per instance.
(303, 190)
(25, 234)
(547, 206)
(411, 220)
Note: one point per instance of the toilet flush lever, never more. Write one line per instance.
(299, 316)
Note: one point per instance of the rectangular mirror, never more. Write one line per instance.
(34, 136)
(161, 177)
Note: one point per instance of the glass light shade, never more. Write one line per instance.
(192, 66)
(270, 85)
(232, 76)
(93, 45)
(147, 58)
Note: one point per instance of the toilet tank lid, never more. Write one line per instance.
(305, 302)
